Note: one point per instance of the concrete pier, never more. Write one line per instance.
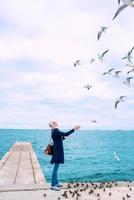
(21, 176)
(20, 169)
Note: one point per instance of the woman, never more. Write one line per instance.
(58, 151)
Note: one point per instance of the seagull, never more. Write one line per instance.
(130, 65)
(130, 71)
(101, 56)
(128, 196)
(127, 82)
(88, 86)
(77, 62)
(92, 60)
(102, 29)
(128, 56)
(116, 75)
(119, 100)
(109, 71)
(126, 3)
(94, 121)
(116, 157)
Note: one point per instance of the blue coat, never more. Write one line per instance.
(58, 150)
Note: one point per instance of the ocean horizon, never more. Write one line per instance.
(89, 154)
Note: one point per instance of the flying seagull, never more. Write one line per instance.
(109, 71)
(128, 56)
(116, 103)
(127, 82)
(130, 71)
(116, 74)
(119, 100)
(88, 86)
(94, 121)
(116, 156)
(77, 62)
(102, 29)
(126, 3)
(101, 56)
(130, 65)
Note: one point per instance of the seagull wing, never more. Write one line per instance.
(129, 53)
(124, 58)
(102, 55)
(116, 103)
(121, 97)
(92, 60)
(129, 59)
(99, 35)
(119, 10)
(111, 70)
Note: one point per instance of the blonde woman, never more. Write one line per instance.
(58, 151)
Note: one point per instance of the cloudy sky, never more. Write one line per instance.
(39, 42)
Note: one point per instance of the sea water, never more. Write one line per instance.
(89, 155)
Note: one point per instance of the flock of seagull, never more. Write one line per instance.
(97, 191)
(112, 72)
(128, 57)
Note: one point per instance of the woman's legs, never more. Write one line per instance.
(54, 181)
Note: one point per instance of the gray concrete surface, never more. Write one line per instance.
(20, 167)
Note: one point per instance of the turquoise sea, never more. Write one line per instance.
(89, 155)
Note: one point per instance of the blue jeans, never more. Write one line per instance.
(54, 180)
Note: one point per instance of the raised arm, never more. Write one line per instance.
(64, 134)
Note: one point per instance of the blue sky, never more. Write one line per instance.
(40, 40)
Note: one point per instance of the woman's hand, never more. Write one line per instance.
(77, 127)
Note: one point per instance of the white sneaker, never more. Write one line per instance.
(59, 185)
(55, 188)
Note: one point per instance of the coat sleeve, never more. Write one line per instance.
(64, 133)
